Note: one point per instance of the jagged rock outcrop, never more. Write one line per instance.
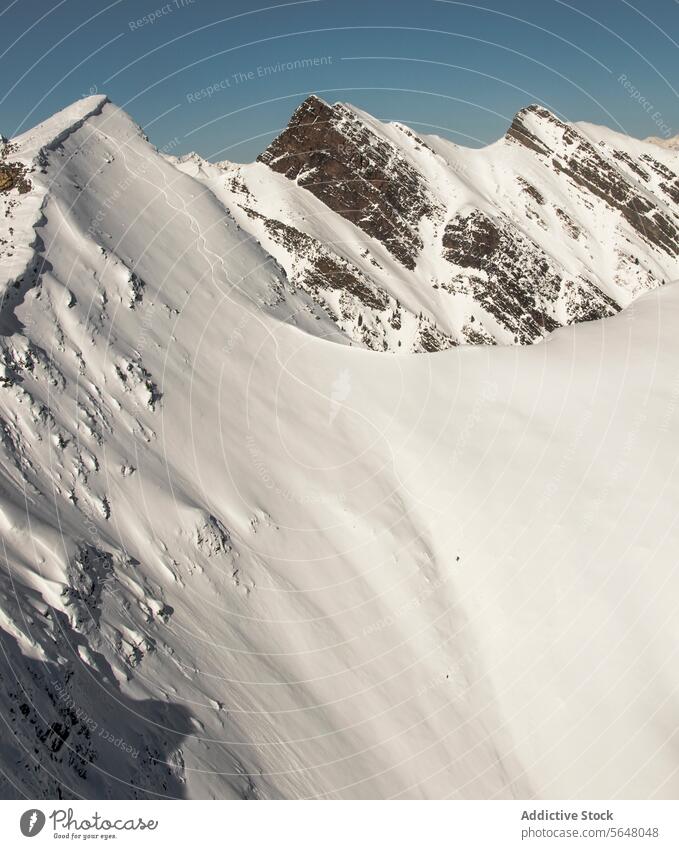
(333, 154)
(518, 284)
(412, 244)
(593, 172)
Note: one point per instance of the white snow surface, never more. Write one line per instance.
(316, 571)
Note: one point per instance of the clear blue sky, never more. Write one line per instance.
(458, 69)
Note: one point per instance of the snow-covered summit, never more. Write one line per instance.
(51, 133)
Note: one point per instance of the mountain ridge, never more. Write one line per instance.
(475, 259)
(578, 228)
(243, 561)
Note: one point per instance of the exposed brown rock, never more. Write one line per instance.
(602, 180)
(334, 155)
(432, 340)
(471, 241)
(658, 167)
(518, 131)
(593, 172)
(519, 287)
(12, 174)
(621, 156)
(569, 225)
(327, 270)
(365, 309)
(531, 190)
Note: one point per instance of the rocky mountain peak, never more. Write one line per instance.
(522, 251)
(534, 127)
(356, 172)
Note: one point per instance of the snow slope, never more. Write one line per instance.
(241, 560)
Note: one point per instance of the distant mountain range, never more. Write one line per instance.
(411, 243)
(671, 143)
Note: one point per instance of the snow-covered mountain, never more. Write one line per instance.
(415, 244)
(241, 560)
(671, 144)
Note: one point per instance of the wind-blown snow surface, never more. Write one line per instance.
(242, 561)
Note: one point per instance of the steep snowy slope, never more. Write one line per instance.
(240, 560)
(416, 244)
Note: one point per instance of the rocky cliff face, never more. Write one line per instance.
(613, 178)
(330, 152)
(515, 281)
(414, 244)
